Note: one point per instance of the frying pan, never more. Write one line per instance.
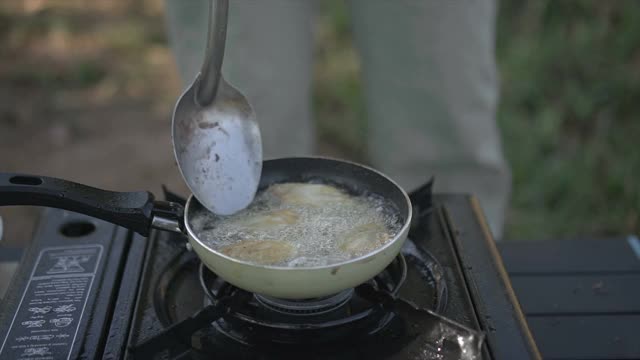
(140, 212)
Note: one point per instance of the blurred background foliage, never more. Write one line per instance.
(569, 115)
(570, 72)
(570, 97)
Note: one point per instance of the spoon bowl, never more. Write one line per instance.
(216, 138)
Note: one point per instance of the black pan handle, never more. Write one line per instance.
(132, 210)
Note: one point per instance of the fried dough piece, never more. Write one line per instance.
(271, 220)
(364, 239)
(261, 252)
(309, 194)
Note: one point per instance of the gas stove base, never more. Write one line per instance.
(131, 298)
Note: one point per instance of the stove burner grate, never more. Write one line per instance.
(315, 306)
(330, 311)
(230, 319)
(263, 319)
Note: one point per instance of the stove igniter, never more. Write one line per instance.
(305, 307)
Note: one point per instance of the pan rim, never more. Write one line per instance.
(399, 235)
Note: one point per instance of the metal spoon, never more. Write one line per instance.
(216, 138)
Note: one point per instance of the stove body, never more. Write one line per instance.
(88, 289)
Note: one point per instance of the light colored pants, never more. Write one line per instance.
(430, 79)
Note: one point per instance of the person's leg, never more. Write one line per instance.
(431, 90)
(268, 57)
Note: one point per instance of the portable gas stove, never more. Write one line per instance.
(89, 289)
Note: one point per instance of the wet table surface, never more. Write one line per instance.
(581, 298)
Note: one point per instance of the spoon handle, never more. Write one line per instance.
(212, 66)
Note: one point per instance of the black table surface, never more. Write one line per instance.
(581, 298)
